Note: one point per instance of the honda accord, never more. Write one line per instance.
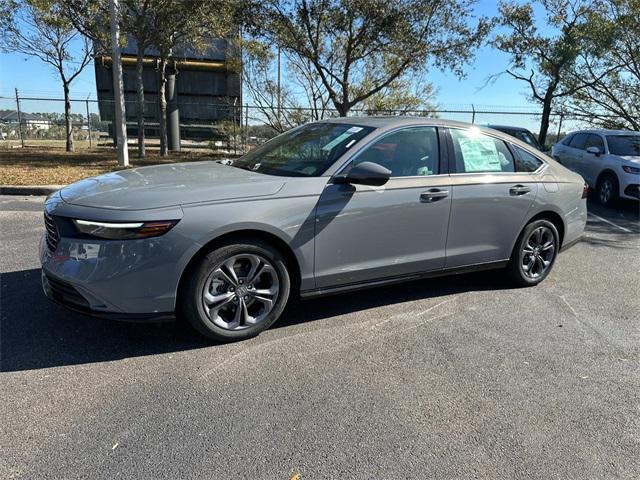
(327, 207)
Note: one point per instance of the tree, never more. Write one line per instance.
(405, 95)
(611, 66)
(39, 28)
(546, 62)
(278, 105)
(188, 24)
(341, 37)
(139, 20)
(143, 21)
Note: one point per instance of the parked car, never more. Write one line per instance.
(328, 207)
(609, 161)
(521, 134)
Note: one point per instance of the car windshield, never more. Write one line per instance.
(624, 145)
(307, 151)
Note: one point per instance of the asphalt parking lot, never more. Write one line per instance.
(457, 377)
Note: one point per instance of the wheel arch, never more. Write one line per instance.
(553, 217)
(603, 173)
(247, 234)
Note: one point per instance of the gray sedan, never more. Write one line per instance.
(328, 207)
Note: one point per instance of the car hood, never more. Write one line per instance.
(169, 185)
(632, 159)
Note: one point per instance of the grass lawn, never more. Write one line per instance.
(53, 166)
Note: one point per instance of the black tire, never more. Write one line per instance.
(516, 267)
(190, 305)
(608, 190)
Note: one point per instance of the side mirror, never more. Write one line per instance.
(594, 151)
(365, 173)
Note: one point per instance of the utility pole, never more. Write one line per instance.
(279, 95)
(118, 87)
(88, 121)
(19, 118)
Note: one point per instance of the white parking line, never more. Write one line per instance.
(626, 230)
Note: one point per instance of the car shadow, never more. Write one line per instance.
(36, 333)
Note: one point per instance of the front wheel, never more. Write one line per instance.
(236, 291)
(608, 190)
(534, 253)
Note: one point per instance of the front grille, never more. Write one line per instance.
(52, 237)
(66, 293)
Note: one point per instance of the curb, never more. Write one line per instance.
(29, 189)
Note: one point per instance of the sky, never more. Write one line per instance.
(37, 79)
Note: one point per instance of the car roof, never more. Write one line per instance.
(603, 131)
(508, 127)
(396, 121)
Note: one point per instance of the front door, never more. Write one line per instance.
(366, 233)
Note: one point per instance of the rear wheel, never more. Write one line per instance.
(236, 291)
(534, 253)
(608, 190)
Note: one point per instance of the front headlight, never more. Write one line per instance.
(124, 231)
(629, 169)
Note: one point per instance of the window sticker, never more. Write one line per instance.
(336, 141)
(481, 155)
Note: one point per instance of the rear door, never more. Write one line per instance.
(490, 199)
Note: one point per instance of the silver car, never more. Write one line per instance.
(327, 207)
(609, 160)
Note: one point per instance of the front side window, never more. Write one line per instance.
(578, 141)
(409, 152)
(624, 145)
(307, 151)
(594, 141)
(479, 153)
(525, 162)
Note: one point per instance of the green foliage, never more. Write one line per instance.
(41, 29)
(340, 38)
(612, 66)
(546, 60)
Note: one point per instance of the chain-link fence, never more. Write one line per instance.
(219, 127)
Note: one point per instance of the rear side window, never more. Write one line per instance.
(567, 140)
(578, 141)
(479, 153)
(525, 162)
(527, 137)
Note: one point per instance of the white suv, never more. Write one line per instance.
(609, 161)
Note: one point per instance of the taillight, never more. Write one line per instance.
(585, 190)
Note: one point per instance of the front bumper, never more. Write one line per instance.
(68, 296)
(632, 190)
(128, 279)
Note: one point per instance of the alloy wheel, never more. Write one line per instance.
(606, 191)
(538, 252)
(240, 292)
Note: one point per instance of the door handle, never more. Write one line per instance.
(433, 195)
(519, 190)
